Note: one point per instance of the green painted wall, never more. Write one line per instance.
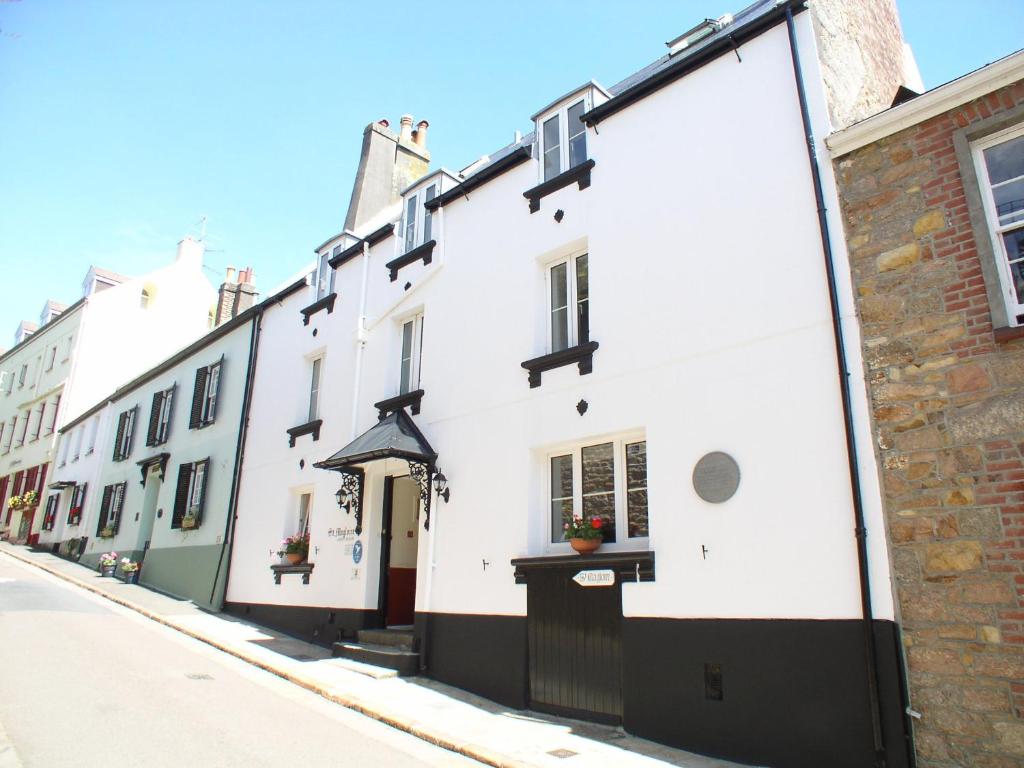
(186, 572)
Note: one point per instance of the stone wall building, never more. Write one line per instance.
(932, 197)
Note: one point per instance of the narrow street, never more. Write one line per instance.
(88, 683)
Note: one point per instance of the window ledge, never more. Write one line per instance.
(581, 353)
(1003, 335)
(412, 399)
(304, 568)
(327, 302)
(425, 252)
(636, 565)
(579, 174)
(309, 428)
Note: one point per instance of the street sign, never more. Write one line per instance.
(602, 578)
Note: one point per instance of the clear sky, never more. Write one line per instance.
(123, 122)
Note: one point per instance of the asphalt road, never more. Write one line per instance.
(84, 682)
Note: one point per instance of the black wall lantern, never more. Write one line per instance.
(441, 486)
(349, 495)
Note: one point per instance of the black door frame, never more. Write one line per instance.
(385, 551)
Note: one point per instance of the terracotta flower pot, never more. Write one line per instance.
(585, 546)
(294, 558)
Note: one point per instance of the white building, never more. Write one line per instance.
(77, 354)
(624, 315)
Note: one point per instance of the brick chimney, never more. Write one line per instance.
(388, 163)
(235, 297)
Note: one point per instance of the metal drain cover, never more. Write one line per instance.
(563, 753)
(199, 676)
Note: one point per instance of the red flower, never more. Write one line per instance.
(596, 522)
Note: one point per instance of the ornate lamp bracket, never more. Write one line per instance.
(352, 486)
(421, 472)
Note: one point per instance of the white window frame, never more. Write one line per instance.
(562, 114)
(415, 353)
(210, 395)
(94, 428)
(197, 486)
(163, 421)
(572, 299)
(9, 377)
(78, 443)
(324, 275)
(52, 427)
(316, 377)
(124, 448)
(51, 357)
(302, 523)
(22, 375)
(1014, 308)
(65, 445)
(414, 232)
(24, 428)
(623, 541)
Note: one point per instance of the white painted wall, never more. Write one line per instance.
(709, 302)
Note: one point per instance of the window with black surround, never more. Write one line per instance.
(418, 221)
(204, 395)
(160, 417)
(50, 515)
(111, 507)
(605, 480)
(190, 495)
(563, 140)
(77, 504)
(124, 435)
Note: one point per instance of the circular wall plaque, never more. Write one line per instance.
(716, 477)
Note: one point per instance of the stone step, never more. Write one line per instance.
(405, 663)
(395, 638)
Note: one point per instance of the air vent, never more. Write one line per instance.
(712, 681)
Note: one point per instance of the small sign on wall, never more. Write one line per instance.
(602, 578)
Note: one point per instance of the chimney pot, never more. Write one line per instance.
(384, 121)
(419, 136)
(405, 132)
(229, 276)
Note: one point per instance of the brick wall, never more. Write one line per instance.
(948, 409)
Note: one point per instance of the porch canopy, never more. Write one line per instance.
(393, 437)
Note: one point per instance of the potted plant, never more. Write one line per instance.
(108, 563)
(295, 548)
(29, 498)
(191, 518)
(14, 502)
(585, 534)
(108, 532)
(74, 516)
(131, 570)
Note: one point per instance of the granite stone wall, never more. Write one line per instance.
(947, 394)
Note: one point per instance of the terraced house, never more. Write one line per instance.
(577, 324)
(933, 205)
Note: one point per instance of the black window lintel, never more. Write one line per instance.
(309, 428)
(304, 568)
(583, 354)
(412, 399)
(578, 173)
(425, 252)
(327, 302)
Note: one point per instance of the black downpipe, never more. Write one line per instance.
(860, 531)
(243, 431)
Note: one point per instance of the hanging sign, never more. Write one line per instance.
(602, 578)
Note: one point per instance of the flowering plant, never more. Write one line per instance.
(189, 521)
(74, 516)
(107, 533)
(108, 559)
(14, 502)
(29, 498)
(297, 544)
(584, 528)
(128, 566)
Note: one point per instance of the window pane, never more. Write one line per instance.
(577, 135)
(582, 300)
(561, 496)
(559, 307)
(599, 486)
(428, 217)
(636, 489)
(1009, 199)
(1014, 244)
(406, 371)
(314, 392)
(552, 149)
(1005, 161)
(322, 278)
(303, 513)
(410, 223)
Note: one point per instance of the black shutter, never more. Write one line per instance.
(154, 418)
(119, 436)
(181, 494)
(202, 490)
(198, 394)
(104, 507)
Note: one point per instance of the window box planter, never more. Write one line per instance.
(189, 522)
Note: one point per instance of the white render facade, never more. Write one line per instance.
(591, 313)
(120, 327)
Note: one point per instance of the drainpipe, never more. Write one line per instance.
(360, 341)
(236, 477)
(860, 531)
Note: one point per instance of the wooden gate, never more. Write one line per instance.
(575, 639)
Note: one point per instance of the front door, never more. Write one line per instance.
(147, 518)
(400, 540)
(575, 646)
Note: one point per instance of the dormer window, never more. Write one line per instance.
(563, 139)
(417, 221)
(324, 274)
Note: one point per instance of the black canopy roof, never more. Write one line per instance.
(393, 437)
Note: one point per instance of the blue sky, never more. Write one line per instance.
(124, 122)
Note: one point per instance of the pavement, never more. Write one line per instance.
(441, 715)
